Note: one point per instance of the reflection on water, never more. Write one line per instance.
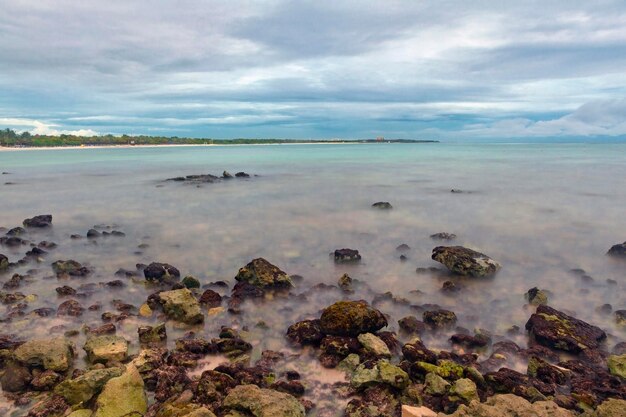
(540, 210)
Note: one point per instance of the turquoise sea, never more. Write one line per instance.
(539, 209)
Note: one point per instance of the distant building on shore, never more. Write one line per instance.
(380, 139)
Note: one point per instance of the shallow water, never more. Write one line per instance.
(539, 209)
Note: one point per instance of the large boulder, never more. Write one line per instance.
(351, 318)
(160, 272)
(181, 305)
(465, 261)
(54, 354)
(263, 402)
(509, 405)
(260, 273)
(123, 396)
(107, 348)
(81, 389)
(43, 220)
(557, 330)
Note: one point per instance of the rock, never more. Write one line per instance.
(345, 283)
(191, 282)
(351, 318)
(509, 405)
(160, 272)
(383, 205)
(262, 402)
(93, 233)
(15, 378)
(145, 310)
(617, 365)
(181, 305)
(435, 385)
(410, 411)
(71, 268)
(347, 255)
(439, 318)
(16, 231)
(620, 317)
(227, 175)
(210, 298)
(465, 389)
(618, 251)
(536, 297)
(306, 332)
(263, 274)
(470, 341)
(65, 290)
(465, 261)
(71, 308)
(374, 345)
(55, 354)
(416, 351)
(4, 262)
(85, 412)
(543, 371)
(242, 174)
(403, 247)
(149, 334)
(376, 401)
(45, 380)
(129, 387)
(611, 408)
(557, 330)
(410, 324)
(381, 372)
(84, 387)
(443, 236)
(43, 220)
(108, 348)
(49, 406)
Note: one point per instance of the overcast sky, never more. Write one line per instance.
(318, 69)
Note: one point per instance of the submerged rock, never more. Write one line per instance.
(260, 273)
(383, 205)
(439, 318)
(182, 306)
(347, 255)
(43, 220)
(55, 354)
(123, 396)
(443, 236)
(618, 250)
(4, 262)
(107, 348)
(160, 272)
(71, 268)
(210, 298)
(536, 297)
(84, 387)
(150, 334)
(306, 332)
(509, 405)
(345, 283)
(262, 402)
(557, 330)
(465, 261)
(351, 318)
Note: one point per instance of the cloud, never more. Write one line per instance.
(36, 127)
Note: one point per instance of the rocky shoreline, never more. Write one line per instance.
(570, 368)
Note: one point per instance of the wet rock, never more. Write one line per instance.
(84, 387)
(71, 268)
(509, 381)
(294, 388)
(56, 354)
(620, 317)
(4, 262)
(374, 345)
(129, 387)
(107, 348)
(403, 248)
(351, 318)
(610, 408)
(43, 220)
(617, 365)
(93, 233)
(227, 175)
(14, 282)
(260, 273)
(376, 401)
(16, 231)
(345, 283)
(13, 241)
(416, 351)
(181, 305)
(46, 380)
(65, 290)
(557, 330)
(306, 332)
(383, 205)
(71, 308)
(410, 324)
(340, 346)
(450, 287)
(470, 341)
(44, 244)
(536, 297)
(465, 261)
(465, 389)
(150, 334)
(35, 253)
(15, 378)
(50, 406)
(439, 319)
(161, 272)
(262, 402)
(618, 251)
(191, 282)
(242, 174)
(443, 236)
(543, 371)
(347, 255)
(108, 328)
(508, 405)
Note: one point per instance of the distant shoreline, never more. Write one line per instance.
(176, 145)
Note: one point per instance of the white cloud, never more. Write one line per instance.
(37, 127)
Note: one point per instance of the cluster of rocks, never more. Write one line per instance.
(208, 178)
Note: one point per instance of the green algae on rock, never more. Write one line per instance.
(107, 348)
(123, 396)
(261, 402)
(465, 389)
(55, 354)
(557, 330)
(381, 372)
(261, 273)
(84, 387)
(465, 261)
(351, 318)
(509, 405)
(617, 365)
(181, 305)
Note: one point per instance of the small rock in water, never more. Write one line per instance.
(227, 175)
(536, 297)
(410, 324)
(306, 332)
(351, 318)
(439, 318)
(618, 251)
(108, 348)
(403, 248)
(150, 334)
(71, 308)
(93, 233)
(16, 231)
(261, 273)
(443, 236)
(345, 283)
(182, 306)
(211, 299)
(242, 174)
(465, 261)
(4, 262)
(383, 205)
(43, 220)
(191, 282)
(160, 272)
(347, 255)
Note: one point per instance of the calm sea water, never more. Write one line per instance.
(539, 209)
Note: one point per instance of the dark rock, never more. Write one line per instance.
(417, 352)
(384, 205)
(45, 380)
(161, 272)
(108, 328)
(465, 261)
(306, 332)
(227, 175)
(340, 345)
(439, 318)
(376, 401)
(93, 233)
(52, 406)
(618, 250)
(557, 330)
(509, 381)
(14, 282)
(620, 317)
(469, 341)
(15, 378)
(115, 284)
(242, 174)
(4, 262)
(150, 334)
(294, 388)
(190, 282)
(351, 318)
(347, 255)
(211, 299)
(12, 241)
(70, 308)
(543, 371)
(71, 268)
(261, 273)
(43, 220)
(212, 387)
(410, 324)
(16, 231)
(65, 290)
(345, 283)
(450, 287)
(35, 252)
(44, 244)
(443, 236)
(403, 258)
(171, 380)
(403, 248)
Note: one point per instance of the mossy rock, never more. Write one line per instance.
(83, 388)
(374, 345)
(181, 305)
(465, 261)
(351, 318)
(55, 354)
(262, 402)
(261, 273)
(107, 348)
(123, 396)
(617, 365)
